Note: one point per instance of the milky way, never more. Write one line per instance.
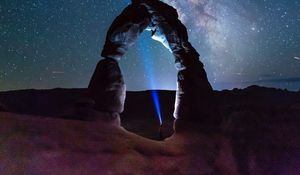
(47, 44)
(245, 41)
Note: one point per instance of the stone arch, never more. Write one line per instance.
(107, 87)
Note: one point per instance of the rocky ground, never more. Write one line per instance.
(259, 135)
(34, 145)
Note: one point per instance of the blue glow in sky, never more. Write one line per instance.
(148, 63)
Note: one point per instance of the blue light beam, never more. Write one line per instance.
(148, 63)
(157, 105)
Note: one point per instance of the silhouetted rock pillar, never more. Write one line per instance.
(107, 87)
(194, 104)
(193, 94)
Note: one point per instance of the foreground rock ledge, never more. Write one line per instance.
(35, 145)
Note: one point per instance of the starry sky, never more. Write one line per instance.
(57, 43)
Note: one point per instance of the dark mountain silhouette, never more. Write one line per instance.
(140, 115)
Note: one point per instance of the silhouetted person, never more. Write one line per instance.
(194, 92)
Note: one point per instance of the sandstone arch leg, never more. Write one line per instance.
(194, 99)
(194, 103)
(107, 87)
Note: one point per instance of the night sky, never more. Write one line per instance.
(57, 43)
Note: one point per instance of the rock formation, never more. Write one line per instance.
(250, 144)
(257, 137)
(107, 87)
(34, 145)
(194, 100)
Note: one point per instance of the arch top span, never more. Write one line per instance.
(156, 16)
(107, 87)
